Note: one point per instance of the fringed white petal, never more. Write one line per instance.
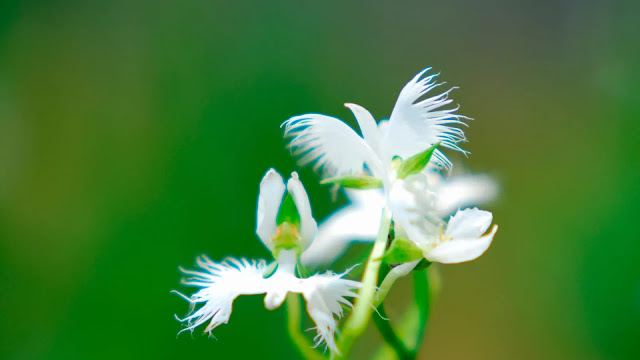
(308, 226)
(329, 144)
(220, 284)
(358, 221)
(459, 250)
(271, 192)
(416, 125)
(325, 295)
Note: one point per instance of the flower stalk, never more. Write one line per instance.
(390, 337)
(357, 322)
(411, 328)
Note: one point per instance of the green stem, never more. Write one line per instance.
(382, 322)
(384, 326)
(294, 325)
(357, 322)
(412, 326)
(422, 296)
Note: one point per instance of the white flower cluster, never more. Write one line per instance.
(396, 164)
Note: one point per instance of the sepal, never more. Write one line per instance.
(288, 212)
(354, 181)
(416, 163)
(402, 251)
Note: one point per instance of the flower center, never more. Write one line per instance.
(441, 236)
(287, 236)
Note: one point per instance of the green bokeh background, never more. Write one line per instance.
(133, 136)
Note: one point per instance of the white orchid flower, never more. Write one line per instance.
(414, 126)
(460, 240)
(359, 220)
(336, 149)
(286, 227)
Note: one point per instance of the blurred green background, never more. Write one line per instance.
(133, 136)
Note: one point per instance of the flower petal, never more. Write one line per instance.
(283, 281)
(325, 294)
(415, 126)
(220, 284)
(367, 124)
(308, 226)
(271, 192)
(460, 250)
(405, 212)
(366, 198)
(329, 144)
(464, 190)
(411, 204)
(468, 223)
(358, 221)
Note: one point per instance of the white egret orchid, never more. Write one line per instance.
(417, 220)
(286, 227)
(337, 150)
(412, 133)
(400, 200)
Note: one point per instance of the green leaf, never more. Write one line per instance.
(402, 251)
(416, 163)
(354, 181)
(288, 212)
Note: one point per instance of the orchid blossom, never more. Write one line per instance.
(358, 221)
(286, 227)
(385, 150)
(418, 221)
(337, 150)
